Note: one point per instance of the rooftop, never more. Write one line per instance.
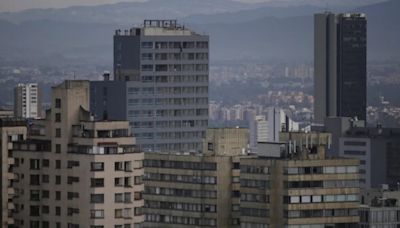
(12, 122)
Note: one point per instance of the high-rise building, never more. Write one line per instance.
(75, 172)
(227, 187)
(340, 54)
(11, 130)
(27, 101)
(164, 67)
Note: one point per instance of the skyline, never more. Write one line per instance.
(21, 5)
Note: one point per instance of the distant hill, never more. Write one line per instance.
(262, 33)
(128, 13)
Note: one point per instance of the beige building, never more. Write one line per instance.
(74, 172)
(218, 189)
(27, 101)
(11, 130)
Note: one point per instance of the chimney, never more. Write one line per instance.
(106, 76)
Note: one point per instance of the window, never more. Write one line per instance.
(58, 164)
(35, 195)
(97, 213)
(118, 213)
(316, 199)
(45, 163)
(97, 166)
(96, 198)
(118, 197)
(45, 209)
(34, 224)
(34, 211)
(58, 148)
(58, 195)
(58, 179)
(294, 199)
(138, 180)
(35, 179)
(58, 117)
(97, 182)
(34, 164)
(45, 194)
(72, 179)
(72, 195)
(147, 45)
(45, 224)
(147, 67)
(58, 132)
(119, 182)
(58, 103)
(72, 164)
(119, 166)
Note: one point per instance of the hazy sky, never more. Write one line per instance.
(16, 5)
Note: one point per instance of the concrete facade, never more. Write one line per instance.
(11, 130)
(76, 172)
(218, 189)
(27, 101)
(165, 67)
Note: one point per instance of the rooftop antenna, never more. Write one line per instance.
(74, 75)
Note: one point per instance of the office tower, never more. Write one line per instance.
(340, 54)
(376, 148)
(268, 127)
(261, 125)
(76, 172)
(11, 130)
(27, 101)
(165, 70)
(297, 188)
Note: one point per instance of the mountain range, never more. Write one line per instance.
(83, 34)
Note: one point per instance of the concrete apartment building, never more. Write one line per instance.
(27, 101)
(11, 130)
(75, 172)
(163, 71)
(298, 189)
(340, 63)
(380, 208)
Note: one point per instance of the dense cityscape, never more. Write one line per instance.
(167, 136)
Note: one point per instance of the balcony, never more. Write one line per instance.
(10, 191)
(10, 206)
(102, 149)
(12, 176)
(11, 161)
(10, 146)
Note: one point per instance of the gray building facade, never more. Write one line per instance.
(377, 149)
(164, 70)
(340, 55)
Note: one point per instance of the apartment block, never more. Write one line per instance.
(296, 189)
(11, 130)
(72, 171)
(380, 208)
(164, 70)
(27, 101)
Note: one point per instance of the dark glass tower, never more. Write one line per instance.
(340, 55)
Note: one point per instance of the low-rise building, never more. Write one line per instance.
(237, 189)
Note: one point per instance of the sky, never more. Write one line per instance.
(18, 5)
